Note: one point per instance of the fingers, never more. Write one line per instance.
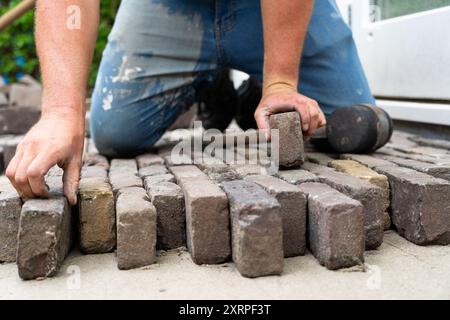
(36, 173)
(12, 168)
(314, 116)
(70, 179)
(27, 170)
(21, 176)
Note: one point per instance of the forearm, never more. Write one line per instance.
(65, 54)
(285, 23)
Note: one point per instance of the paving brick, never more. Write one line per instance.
(437, 171)
(123, 174)
(158, 179)
(420, 205)
(219, 172)
(319, 158)
(291, 150)
(168, 199)
(95, 159)
(181, 160)
(97, 220)
(187, 173)
(153, 170)
(336, 227)
(436, 143)
(244, 170)
(372, 198)
(360, 171)
(8, 145)
(297, 176)
(18, 120)
(368, 161)
(293, 212)
(93, 171)
(148, 159)
(207, 216)
(136, 229)
(45, 236)
(10, 207)
(420, 150)
(254, 155)
(419, 157)
(257, 231)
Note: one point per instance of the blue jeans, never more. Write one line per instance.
(161, 51)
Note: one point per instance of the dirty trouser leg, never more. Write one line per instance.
(331, 72)
(158, 51)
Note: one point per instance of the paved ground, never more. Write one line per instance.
(397, 270)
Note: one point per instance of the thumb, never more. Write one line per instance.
(70, 180)
(262, 116)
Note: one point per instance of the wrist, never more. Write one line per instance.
(279, 84)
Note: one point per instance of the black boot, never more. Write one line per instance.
(249, 95)
(217, 102)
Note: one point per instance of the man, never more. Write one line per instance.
(159, 56)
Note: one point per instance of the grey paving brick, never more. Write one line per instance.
(219, 172)
(319, 158)
(18, 120)
(95, 159)
(419, 157)
(136, 229)
(420, 205)
(168, 199)
(297, 176)
(8, 145)
(153, 170)
(10, 207)
(437, 171)
(436, 143)
(291, 149)
(371, 197)
(181, 160)
(45, 236)
(244, 170)
(148, 159)
(93, 171)
(187, 173)
(257, 232)
(123, 174)
(293, 212)
(158, 179)
(207, 216)
(336, 226)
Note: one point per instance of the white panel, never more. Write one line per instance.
(407, 56)
(432, 113)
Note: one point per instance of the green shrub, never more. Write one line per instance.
(17, 48)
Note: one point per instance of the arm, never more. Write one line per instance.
(65, 56)
(285, 23)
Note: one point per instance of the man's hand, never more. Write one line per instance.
(283, 97)
(57, 139)
(285, 23)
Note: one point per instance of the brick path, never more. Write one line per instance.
(225, 213)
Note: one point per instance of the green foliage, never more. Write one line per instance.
(396, 8)
(17, 48)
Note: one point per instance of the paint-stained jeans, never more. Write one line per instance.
(160, 52)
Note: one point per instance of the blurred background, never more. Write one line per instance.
(403, 45)
(17, 50)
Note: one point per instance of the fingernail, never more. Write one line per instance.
(305, 127)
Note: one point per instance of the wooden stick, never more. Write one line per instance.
(15, 13)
